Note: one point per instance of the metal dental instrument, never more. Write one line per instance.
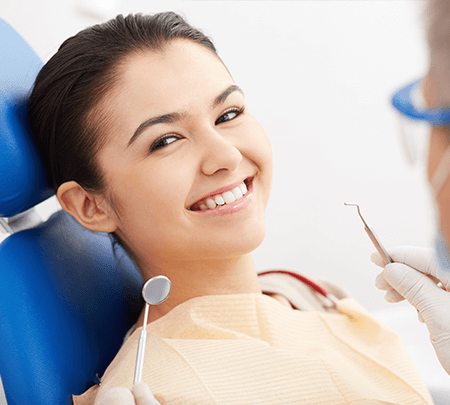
(381, 250)
(155, 291)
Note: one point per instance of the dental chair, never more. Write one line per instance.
(67, 295)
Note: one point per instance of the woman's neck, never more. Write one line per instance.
(200, 278)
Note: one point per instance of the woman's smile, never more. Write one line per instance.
(226, 200)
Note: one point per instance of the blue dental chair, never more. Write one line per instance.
(67, 296)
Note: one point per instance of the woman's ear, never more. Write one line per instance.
(89, 210)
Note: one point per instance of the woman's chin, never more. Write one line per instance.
(237, 244)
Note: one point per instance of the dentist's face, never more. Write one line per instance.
(180, 147)
(438, 144)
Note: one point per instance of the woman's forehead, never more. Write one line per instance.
(181, 60)
(184, 76)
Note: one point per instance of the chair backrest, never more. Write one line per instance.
(67, 296)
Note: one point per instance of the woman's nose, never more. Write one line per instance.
(219, 154)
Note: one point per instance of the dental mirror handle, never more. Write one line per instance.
(140, 357)
(141, 349)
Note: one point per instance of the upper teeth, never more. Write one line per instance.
(227, 197)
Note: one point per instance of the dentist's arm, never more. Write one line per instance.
(139, 395)
(413, 276)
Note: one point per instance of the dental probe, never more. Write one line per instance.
(155, 291)
(381, 250)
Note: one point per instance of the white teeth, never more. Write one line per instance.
(219, 200)
(226, 198)
(210, 203)
(229, 197)
(237, 193)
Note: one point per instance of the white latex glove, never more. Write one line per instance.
(414, 276)
(139, 395)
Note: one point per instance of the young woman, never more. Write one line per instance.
(145, 134)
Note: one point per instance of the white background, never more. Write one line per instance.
(318, 76)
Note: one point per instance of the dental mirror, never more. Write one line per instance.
(155, 291)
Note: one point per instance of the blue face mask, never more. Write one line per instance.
(442, 253)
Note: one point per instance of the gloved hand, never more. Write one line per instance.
(139, 395)
(414, 275)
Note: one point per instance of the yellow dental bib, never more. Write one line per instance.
(250, 349)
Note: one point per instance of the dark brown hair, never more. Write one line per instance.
(62, 106)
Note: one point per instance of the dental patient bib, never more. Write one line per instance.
(249, 349)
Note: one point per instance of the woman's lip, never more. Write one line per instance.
(222, 190)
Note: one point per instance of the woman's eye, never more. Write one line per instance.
(230, 114)
(163, 141)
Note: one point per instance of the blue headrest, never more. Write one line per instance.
(67, 298)
(22, 177)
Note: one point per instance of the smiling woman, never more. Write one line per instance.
(145, 135)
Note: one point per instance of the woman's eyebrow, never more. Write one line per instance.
(161, 119)
(176, 116)
(223, 96)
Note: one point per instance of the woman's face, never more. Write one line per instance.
(179, 132)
